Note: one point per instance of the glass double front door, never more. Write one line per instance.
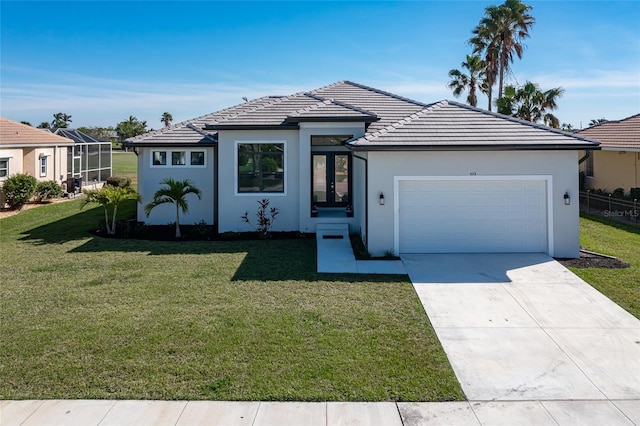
(331, 179)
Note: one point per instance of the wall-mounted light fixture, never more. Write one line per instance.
(381, 199)
(567, 199)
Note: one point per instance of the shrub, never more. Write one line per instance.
(18, 190)
(265, 218)
(118, 181)
(47, 190)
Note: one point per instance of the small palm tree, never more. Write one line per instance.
(109, 197)
(166, 119)
(471, 83)
(175, 192)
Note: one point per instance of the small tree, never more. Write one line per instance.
(109, 197)
(47, 190)
(175, 192)
(266, 216)
(18, 190)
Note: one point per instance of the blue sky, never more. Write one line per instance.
(103, 61)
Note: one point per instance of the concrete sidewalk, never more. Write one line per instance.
(194, 413)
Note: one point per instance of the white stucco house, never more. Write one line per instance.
(409, 177)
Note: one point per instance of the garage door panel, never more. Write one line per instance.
(442, 216)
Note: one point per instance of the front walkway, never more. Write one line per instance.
(335, 255)
(523, 327)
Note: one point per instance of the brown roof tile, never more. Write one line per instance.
(618, 134)
(13, 133)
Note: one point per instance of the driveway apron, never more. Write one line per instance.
(523, 327)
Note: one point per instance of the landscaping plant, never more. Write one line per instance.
(175, 192)
(266, 216)
(47, 190)
(18, 190)
(109, 197)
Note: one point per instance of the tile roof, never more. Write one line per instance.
(17, 134)
(448, 124)
(617, 134)
(395, 121)
(191, 131)
(76, 135)
(330, 110)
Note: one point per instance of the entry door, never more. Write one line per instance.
(331, 179)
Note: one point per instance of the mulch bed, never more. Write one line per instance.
(594, 260)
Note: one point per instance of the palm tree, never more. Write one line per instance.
(530, 103)
(166, 119)
(499, 35)
(61, 120)
(174, 192)
(109, 197)
(474, 81)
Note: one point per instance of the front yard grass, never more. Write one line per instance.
(617, 239)
(87, 317)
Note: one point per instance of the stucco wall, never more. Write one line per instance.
(615, 169)
(15, 159)
(233, 205)
(202, 177)
(561, 165)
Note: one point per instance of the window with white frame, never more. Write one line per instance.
(4, 168)
(43, 166)
(182, 158)
(260, 167)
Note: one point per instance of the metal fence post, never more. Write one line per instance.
(609, 203)
(635, 209)
(588, 201)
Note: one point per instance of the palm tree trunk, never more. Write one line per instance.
(106, 220)
(178, 235)
(113, 224)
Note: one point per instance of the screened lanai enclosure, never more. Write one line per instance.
(88, 161)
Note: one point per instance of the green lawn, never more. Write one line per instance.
(125, 164)
(86, 317)
(617, 239)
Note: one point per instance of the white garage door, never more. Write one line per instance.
(472, 216)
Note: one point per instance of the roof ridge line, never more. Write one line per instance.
(384, 92)
(328, 101)
(405, 120)
(520, 121)
(261, 106)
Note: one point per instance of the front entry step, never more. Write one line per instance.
(332, 231)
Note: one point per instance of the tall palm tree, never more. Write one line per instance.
(471, 83)
(61, 120)
(166, 119)
(175, 192)
(500, 34)
(530, 103)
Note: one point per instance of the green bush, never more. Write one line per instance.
(118, 181)
(18, 190)
(47, 190)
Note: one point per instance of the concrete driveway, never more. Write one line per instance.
(523, 327)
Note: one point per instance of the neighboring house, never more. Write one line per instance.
(89, 159)
(37, 152)
(416, 177)
(618, 164)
